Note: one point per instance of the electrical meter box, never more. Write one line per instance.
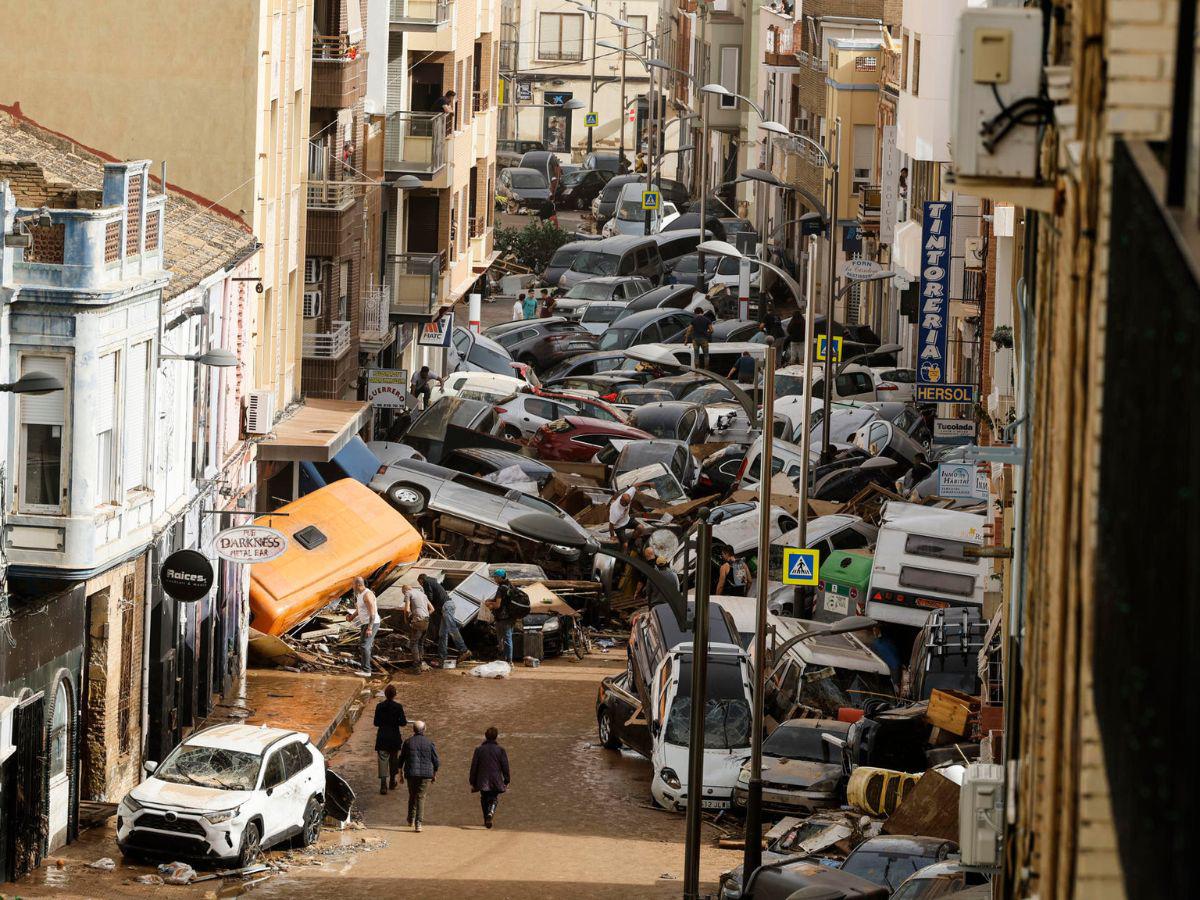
(997, 82)
(981, 814)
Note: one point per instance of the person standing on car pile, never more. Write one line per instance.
(793, 350)
(389, 719)
(447, 627)
(419, 610)
(734, 575)
(743, 369)
(489, 774)
(366, 616)
(620, 516)
(420, 384)
(419, 761)
(508, 606)
(699, 333)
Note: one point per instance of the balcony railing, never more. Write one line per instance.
(330, 194)
(476, 226)
(869, 203)
(480, 100)
(337, 72)
(327, 344)
(816, 63)
(374, 321)
(415, 286)
(415, 141)
(420, 12)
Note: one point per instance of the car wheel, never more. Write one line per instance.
(408, 499)
(314, 815)
(251, 848)
(512, 433)
(608, 734)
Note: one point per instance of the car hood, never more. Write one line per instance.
(532, 193)
(187, 797)
(799, 773)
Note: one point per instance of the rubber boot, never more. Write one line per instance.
(383, 785)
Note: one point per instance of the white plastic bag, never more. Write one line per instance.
(497, 669)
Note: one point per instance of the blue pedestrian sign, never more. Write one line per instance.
(800, 566)
(651, 200)
(591, 120)
(822, 348)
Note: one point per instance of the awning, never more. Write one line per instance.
(316, 431)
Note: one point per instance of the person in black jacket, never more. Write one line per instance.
(419, 760)
(489, 774)
(389, 719)
(447, 627)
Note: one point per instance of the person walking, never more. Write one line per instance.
(420, 384)
(389, 719)
(519, 308)
(419, 610)
(734, 575)
(530, 305)
(489, 774)
(366, 616)
(447, 627)
(743, 369)
(419, 765)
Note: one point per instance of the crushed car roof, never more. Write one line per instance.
(246, 738)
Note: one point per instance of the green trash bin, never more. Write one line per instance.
(842, 590)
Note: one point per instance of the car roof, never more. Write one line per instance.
(245, 738)
(609, 279)
(536, 154)
(603, 425)
(523, 169)
(673, 635)
(496, 455)
(664, 409)
(426, 468)
(902, 845)
(518, 324)
(646, 316)
(619, 243)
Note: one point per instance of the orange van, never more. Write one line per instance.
(334, 534)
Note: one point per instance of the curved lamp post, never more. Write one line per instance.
(33, 383)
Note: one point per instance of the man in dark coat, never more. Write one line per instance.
(389, 719)
(419, 759)
(447, 628)
(489, 774)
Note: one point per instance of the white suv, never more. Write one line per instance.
(226, 793)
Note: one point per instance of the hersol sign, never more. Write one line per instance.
(250, 544)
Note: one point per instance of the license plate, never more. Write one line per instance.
(836, 603)
(714, 804)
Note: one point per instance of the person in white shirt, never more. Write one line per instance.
(620, 513)
(519, 308)
(419, 611)
(366, 615)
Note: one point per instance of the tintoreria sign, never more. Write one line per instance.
(250, 544)
(935, 294)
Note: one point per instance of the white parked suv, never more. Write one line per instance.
(225, 794)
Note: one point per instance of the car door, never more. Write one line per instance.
(276, 805)
(536, 412)
(298, 784)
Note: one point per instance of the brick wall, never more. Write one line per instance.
(30, 187)
(111, 757)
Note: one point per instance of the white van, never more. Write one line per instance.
(920, 564)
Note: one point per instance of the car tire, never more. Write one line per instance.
(310, 828)
(608, 734)
(408, 499)
(512, 433)
(251, 848)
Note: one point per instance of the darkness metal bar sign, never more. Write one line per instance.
(935, 293)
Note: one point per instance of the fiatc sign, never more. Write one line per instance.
(250, 544)
(934, 298)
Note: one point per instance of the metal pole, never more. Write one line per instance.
(833, 217)
(650, 104)
(702, 139)
(592, 82)
(806, 440)
(752, 855)
(695, 787)
(624, 45)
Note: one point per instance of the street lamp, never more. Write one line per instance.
(721, 91)
(217, 358)
(33, 383)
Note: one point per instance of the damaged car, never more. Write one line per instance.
(226, 794)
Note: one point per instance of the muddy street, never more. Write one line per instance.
(576, 822)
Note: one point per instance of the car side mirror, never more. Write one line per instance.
(270, 791)
(150, 766)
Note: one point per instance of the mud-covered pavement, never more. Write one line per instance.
(576, 822)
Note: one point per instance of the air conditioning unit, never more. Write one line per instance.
(981, 814)
(260, 412)
(312, 304)
(312, 270)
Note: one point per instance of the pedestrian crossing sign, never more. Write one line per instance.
(591, 120)
(823, 347)
(800, 566)
(651, 200)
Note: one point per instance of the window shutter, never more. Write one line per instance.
(730, 63)
(134, 452)
(45, 409)
(106, 374)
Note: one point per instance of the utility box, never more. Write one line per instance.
(981, 815)
(995, 102)
(842, 591)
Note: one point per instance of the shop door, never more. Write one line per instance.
(24, 814)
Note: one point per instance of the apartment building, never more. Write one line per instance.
(438, 237)
(219, 91)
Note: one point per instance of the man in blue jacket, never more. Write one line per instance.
(419, 760)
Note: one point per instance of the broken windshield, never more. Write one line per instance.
(726, 710)
(212, 767)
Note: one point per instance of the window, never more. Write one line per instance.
(42, 422)
(637, 34)
(343, 291)
(296, 759)
(862, 156)
(138, 391)
(730, 64)
(103, 414)
(560, 36)
(866, 63)
(542, 409)
(59, 731)
(936, 547)
(916, 66)
(849, 539)
(904, 62)
(276, 773)
(937, 582)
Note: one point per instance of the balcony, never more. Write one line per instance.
(781, 43)
(374, 322)
(416, 285)
(338, 72)
(869, 202)
(476, 226)
(480, 101)
(415, 142)
(334, 195)
(422, 14)
(327, 344)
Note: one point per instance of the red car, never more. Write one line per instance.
(578, 438)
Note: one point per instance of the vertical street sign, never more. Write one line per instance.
(934, 296)
(889, 186)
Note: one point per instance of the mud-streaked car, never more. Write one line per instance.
(225, 794)
(801, 771)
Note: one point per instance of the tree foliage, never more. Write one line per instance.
(531, 246)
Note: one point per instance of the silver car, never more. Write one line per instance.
(416, 487)
(523, 414)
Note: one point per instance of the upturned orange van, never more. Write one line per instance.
(334, 534)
